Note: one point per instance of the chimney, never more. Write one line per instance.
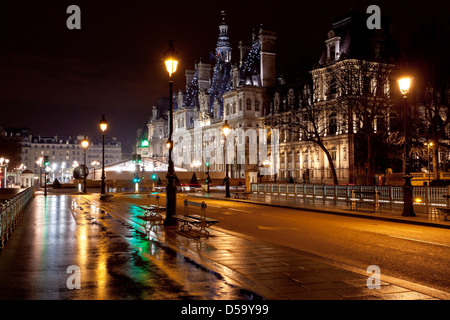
(204, 75)
(268, 58)
(189, 76)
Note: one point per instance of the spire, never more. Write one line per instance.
(223, 49)
(222, 13)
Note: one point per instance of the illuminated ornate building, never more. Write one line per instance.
(348, 95)
(238, 93)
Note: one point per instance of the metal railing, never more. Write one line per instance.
(11, 211)
(423, 195)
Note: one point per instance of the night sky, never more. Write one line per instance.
(57, 81)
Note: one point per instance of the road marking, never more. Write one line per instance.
(240, 210)
(276, 228)
(423, 241)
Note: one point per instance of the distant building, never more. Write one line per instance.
(157, 133)
(65, 152)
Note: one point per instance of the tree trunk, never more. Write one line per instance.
(436, 169)
(370, 161)
(330, 162)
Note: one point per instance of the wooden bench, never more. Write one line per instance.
(359, 197)
(153, 211)
(194, 220)
(241, 194)
(106, 197)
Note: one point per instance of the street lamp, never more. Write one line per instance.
(408, 207)
(94, 164)
(196, 164)
(171, 61)
(84, 145)
(40, 162)
(226, 131)
(208, 178)
(103, 127)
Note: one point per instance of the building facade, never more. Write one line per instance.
(65, 153)
(270, 121)
(222, 91)
(347, 97)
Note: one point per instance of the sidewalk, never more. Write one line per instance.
(271, 271)
(433, 219)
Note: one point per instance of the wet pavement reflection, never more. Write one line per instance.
(115, 260)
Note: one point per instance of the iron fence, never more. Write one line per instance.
(11, 211)
(423, 195)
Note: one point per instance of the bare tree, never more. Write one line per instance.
(305, 119)
(363, 91)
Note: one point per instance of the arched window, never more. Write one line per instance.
(249, 104)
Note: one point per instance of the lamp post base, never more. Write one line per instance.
(171, 201)
(408, 207)
(227, 188)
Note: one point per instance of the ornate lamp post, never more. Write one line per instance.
(94, 164)
(208, 178)
(171, 62)
(40, 162)
(225, 131)
(408, 208)
(103, 127)
(84, 145)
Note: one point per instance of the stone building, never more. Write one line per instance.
(65, 151)
(157, 132)
(237, 93)
(349, 90)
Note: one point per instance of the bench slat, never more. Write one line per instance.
(187, 219)
(197, 204)
(196, 216)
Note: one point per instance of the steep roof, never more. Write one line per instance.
(360, 42)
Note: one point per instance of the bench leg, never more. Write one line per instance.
(185, 224)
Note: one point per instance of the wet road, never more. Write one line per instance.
(64, 241)
(418, 254)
